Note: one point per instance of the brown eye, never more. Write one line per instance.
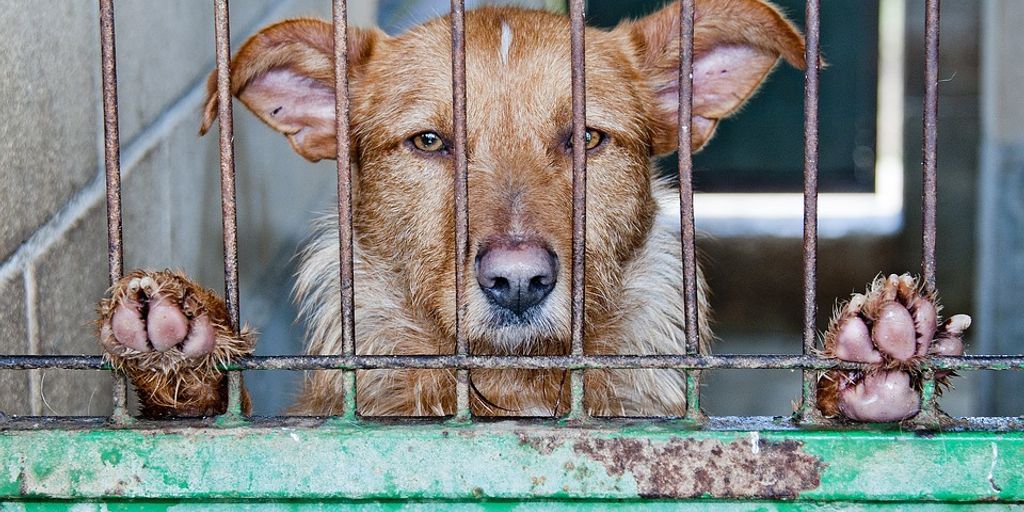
(593, 138)
(429, 142)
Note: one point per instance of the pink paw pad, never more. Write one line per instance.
(891, 328)
(147, 319)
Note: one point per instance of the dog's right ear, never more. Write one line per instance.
(285, 75)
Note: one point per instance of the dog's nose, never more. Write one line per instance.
(516, 276)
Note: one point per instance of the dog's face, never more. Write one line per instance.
(519, 120)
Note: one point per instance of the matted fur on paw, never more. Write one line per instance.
(167, 332)
(890, 328)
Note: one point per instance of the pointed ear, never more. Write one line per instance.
(285, 75)
(736, 43)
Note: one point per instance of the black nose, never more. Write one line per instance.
(516, 276)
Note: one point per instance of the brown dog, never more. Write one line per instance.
(169, 334)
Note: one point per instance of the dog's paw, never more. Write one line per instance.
(164, 319)
(890, 328)
(170, 336)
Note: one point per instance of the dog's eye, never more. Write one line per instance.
(593, 137)
(429, 142)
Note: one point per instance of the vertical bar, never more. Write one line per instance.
(341, 112)
(810, 252)
(112, 164)
(227, 177)
(930, 415)
(579, 198)
(930, 143)
(227, 160)
(111, 141)
(234, 394)
(686, 200)
(461, 199)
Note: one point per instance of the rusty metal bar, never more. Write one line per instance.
(579, 197)
(227, 160)
(234, 394)
(808, 409)
(120, 414)
(930, 142)
(744, 424)
(665, 361)
(341, 127)
(111, 141)
(227, 173)
(930, 413)
(686, 200)
(112, 164)
(461, 199)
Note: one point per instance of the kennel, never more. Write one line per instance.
(771, 463)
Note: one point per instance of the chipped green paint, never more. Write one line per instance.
(535, 506)
(470, 466)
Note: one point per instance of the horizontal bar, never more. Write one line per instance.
(990, 424)
(368, 462)
(682, 362)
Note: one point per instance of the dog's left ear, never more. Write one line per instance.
(736, 43)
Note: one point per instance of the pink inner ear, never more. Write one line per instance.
(725, 76)
(295, 105)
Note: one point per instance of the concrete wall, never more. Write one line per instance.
(53, 234)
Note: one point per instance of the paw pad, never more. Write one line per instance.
(890, 328)
(158, 312)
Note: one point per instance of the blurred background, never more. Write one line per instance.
(52, 214)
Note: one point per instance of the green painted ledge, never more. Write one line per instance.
(495, 466)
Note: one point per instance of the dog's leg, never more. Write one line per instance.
(891, 328)
(169, 335)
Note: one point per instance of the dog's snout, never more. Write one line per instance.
(516, 276)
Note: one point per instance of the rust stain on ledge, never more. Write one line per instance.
(684, 468)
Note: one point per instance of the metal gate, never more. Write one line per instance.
(720, 463)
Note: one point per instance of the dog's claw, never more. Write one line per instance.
(891, 328)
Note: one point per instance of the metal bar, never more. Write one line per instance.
(930, 142)
(227, 160)
(696, 362)
(234, 394)
(112, 164)
(808, 408)
(120, 414)
(341, 127)
(930, 413)
(686, 200)
(227, 173)
(461, 200)
(579, 197)
(985, 424)
(111, 141)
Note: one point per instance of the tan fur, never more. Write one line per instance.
(168, 383)
(519, 118)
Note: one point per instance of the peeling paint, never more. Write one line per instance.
(684, 468)
(503, 462)
(543, 444)
(992, 469)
